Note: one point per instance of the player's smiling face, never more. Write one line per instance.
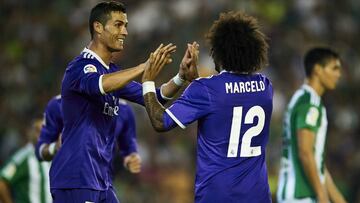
(115, 31)
(331, 73)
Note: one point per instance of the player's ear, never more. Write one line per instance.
(317, 69)
(98, 27)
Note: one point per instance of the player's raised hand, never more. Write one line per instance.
(188, 66)
(157, 61)
(132, 162)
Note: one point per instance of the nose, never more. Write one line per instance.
(124, 31)
(339, 74)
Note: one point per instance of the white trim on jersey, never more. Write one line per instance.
(46, 168)
(315, 98)
(175, 119)
(34, 183)
(91, 54)
(101, 86)
(320, 144)
(289, 170)
(40, 150)
(303, 200)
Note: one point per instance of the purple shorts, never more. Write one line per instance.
(83, 196)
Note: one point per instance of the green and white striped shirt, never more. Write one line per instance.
(27, 177)
(305, 110)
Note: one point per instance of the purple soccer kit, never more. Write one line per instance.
(52, 125)
(233, 113)
(125, 132)
(89, 116)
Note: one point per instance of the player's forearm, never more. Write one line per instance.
(309, 165)
(119, 79)
(5, 196)
(170, 88)
(155, 111)
(334, 193)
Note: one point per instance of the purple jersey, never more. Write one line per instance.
(89, 124)
(233, 113)
(52, 124)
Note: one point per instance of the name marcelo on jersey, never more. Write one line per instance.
(241, 87)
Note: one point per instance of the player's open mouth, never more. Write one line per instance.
(121, 40)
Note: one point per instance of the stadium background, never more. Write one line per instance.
(38, 38)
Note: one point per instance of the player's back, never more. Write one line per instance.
(232, 138)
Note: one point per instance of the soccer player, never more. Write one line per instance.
(124, 134)
(49, 139)
(303, 174)
(233, 110)
(23, 178)
(91, 88)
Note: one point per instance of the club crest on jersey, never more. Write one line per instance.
(312, 116)
(90, 69)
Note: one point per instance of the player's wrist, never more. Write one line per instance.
(178, 80)
(148, 86)
(52, 149)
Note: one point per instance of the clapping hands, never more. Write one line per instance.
(188, 66)
(157, 61)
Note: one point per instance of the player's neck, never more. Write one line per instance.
(101, 51)
(316, 85)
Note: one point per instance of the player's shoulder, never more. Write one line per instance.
(85, 60)
(80, 63)
(54, 103)
(310, 96)
(22, 154)
(55, 99)
(304, 98)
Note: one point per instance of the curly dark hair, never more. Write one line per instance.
(237, 44)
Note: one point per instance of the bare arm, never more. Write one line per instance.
(187, 71)
(5, 196)
(306, 155)
(332, 190)
(155, 111)
(117, 80)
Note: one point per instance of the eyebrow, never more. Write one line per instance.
(121, 21)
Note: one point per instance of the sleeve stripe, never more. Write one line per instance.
(175, 119)
(40, 151)
(100, 85)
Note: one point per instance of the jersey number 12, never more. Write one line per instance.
(246, 150)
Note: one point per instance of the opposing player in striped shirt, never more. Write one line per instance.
(23, 178)
(303, 175)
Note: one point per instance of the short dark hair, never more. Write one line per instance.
(101, 13)
(318, 55)
(237, 44)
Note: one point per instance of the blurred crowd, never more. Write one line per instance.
(38, 38)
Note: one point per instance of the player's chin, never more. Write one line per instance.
(331, 86)
(117, 48)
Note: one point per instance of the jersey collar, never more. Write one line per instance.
(233, 72)
(86, 50)
(310, 89)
